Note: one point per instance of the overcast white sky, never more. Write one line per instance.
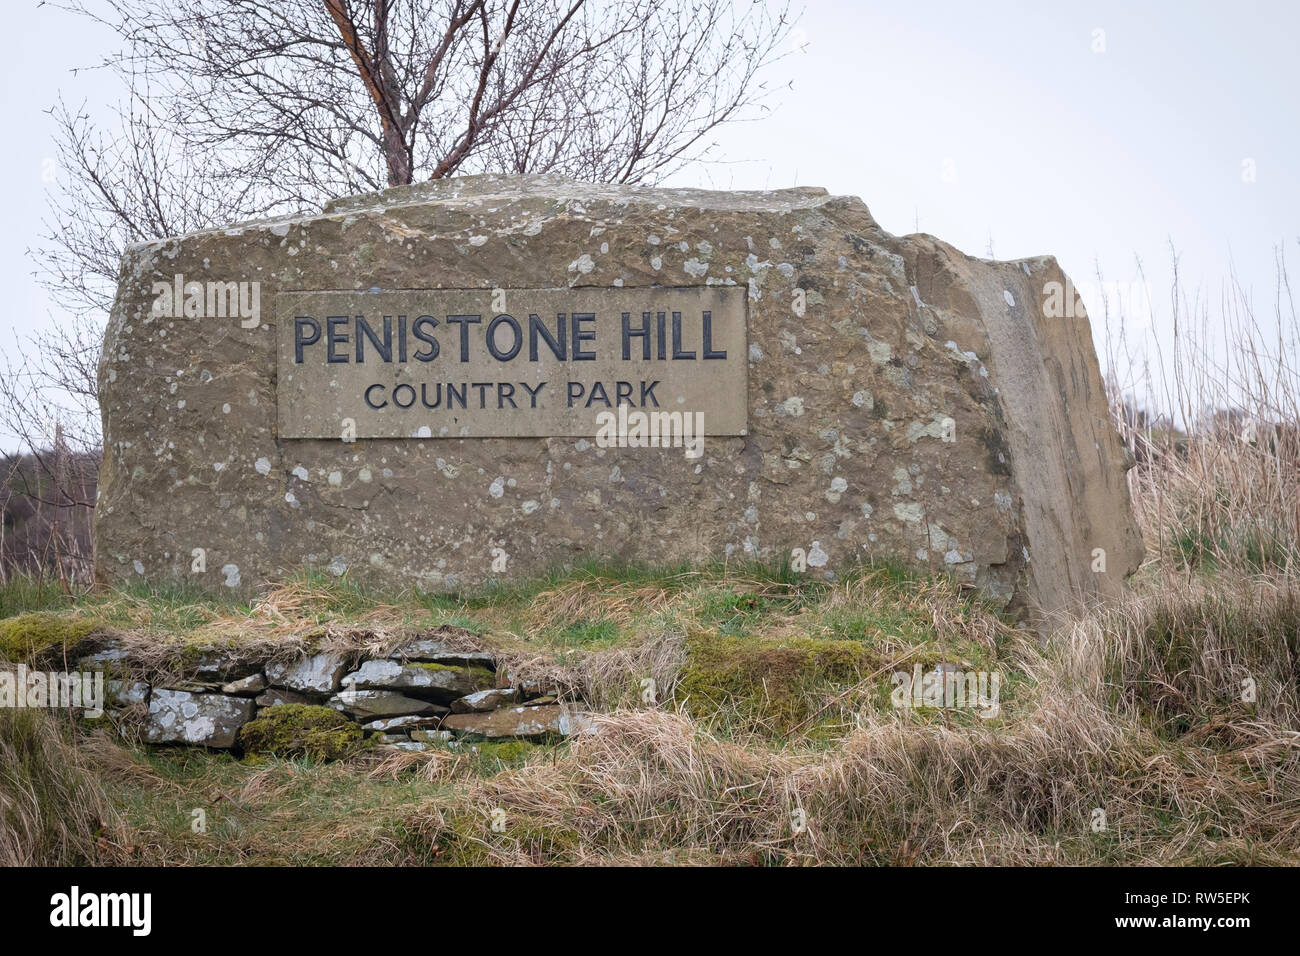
(979, 122)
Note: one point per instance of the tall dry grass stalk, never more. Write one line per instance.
(1216, 433)
(651, 786)
(52, 812)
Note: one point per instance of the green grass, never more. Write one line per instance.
(1255, 548)
(270, 811)
(590, 634)
(23, 594)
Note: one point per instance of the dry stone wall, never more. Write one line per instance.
(425, 693)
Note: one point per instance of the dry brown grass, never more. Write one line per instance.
(52, 811)
(597, 598)
(1217, 484)
(651, 783)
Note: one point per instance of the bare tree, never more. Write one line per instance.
(239, 109)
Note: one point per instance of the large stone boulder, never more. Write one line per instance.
(873, 396)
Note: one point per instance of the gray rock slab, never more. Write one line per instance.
(520, 722)
(208, 720)
(484, 700)
(369, 705)
(314, 674)
(437, 681)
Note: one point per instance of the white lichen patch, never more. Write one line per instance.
(909, 511)
(940, 427)
(836, 490)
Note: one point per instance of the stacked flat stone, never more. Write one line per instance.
(423, 694)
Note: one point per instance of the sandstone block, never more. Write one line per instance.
(861, 395)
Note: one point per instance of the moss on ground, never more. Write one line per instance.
(773, 683)
(496, 754)
(301, 730)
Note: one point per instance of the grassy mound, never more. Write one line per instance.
(742, 717)
(773, 684)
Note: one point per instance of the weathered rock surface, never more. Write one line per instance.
(409, 746)
(392, 725)
(125, 693)
(484, 700)
(904, 401)
(316, 674)
(107, 657)
(522, 722)
(249, 686)
(432, 651)
(367, 705)
(210, 720)
(221, 665)
(435, 681)
(274, 697)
